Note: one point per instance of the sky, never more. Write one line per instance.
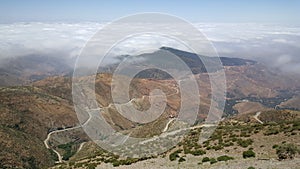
(267, 11)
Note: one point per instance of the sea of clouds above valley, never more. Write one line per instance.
(273, 44)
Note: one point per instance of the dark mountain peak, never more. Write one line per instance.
(180, 52)
(226, 61)
(192, 60)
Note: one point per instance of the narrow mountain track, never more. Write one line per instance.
(46, 141)
(256, 117)
(168, 125)
(80, 147)
(60, 157)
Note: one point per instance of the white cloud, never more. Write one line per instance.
(280, 40)
(145, 43)
(269, 43)
(232, 32)
(27, 38)
(283, 59)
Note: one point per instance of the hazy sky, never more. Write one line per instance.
(274, 11)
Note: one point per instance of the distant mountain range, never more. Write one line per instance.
(192, 60)
(26, 69)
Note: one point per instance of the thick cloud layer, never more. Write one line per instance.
(274, 45)
(30, 38)
(271, 44)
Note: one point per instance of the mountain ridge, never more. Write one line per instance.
(192, 60)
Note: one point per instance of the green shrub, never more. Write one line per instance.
(213, 161)
(129, 161)
(187, 150)
(205, 159)
(251, 167)
(244, 134)
(218, 147)
(271, 131)
(181, 159)
(69, 150)
(198, 152)
(244, 143)
(293, 133)
(228, 144)
(248, 154)
(53, 155)
(287, 151)
(173, 156)
(224, 158)
(92, 166)
(116, 163)
(296, 125)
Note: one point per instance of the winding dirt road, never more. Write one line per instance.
(80, 147)
(46, 141)
(167, 125)
(60, 157)
(256, 117)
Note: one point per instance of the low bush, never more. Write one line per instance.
(69, 150)
(205, 159)
(213, 161)
(198, 152)
(248, 154)
(271, 131)
(181, 159)
(217, 147)
(244, 143)
(287, 151)
(224, 158)
(92, 166)
(173, 156)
